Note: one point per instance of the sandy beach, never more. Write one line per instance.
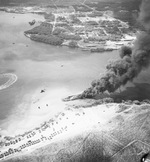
(43, 105)
(34, 118)
(66, 124)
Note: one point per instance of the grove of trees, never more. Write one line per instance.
(50, 39)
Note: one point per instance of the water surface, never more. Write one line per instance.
(40, 65)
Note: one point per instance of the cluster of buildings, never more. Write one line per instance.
(96, 28)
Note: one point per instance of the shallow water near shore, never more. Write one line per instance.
(59, 71)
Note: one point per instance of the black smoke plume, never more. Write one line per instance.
(131, 62)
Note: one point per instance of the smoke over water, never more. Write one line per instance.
(131, 62)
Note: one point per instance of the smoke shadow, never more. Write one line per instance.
(140, 92)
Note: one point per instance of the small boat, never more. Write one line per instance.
(32, 22)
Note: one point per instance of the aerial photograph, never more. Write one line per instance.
(74, 80)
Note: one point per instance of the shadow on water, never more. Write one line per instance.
(140, 92)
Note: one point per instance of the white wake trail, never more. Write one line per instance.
(12, 78)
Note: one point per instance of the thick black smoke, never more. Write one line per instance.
(144, 16)
(131, 62)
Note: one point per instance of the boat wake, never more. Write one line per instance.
(12, 78)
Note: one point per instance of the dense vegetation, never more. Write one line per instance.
(69, 28)
(65, 26)
(98, 50)
(73, 44)
(59, 30)
(69, 36)
(49, 39)
(44, 28)
(49, 17)
(74, 19)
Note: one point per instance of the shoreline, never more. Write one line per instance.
(65, 125)
(108, 47)
(107, 35)
(78, 117)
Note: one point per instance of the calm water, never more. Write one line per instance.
(38, 65)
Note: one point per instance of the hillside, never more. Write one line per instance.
(103, 123)
(122, 137)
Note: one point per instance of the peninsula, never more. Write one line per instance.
(79, 27)
(95, 31)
